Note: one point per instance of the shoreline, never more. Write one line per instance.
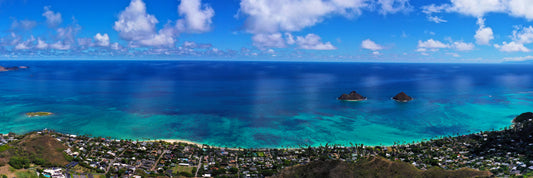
(194, 143)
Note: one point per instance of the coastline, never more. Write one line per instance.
(192, 143)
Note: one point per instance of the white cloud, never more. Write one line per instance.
(101, 40)
(394, 6)
(196, 19)
(23, 24)
(483, 34)
(41, 44)
(85, 42)
(271, 16)
(165, 37)
(478, 8)
(59, 45)
(431, 44)
(454, 54)
(116, 46)
(462, 46)
(523, 58)
(436, 19)
(512, 47)
(268, 41)
(435, 45)
(370, 45)
(312, 41)
(52, 18)
(134, 24)
(22, 46)
(521, 8)
(523, 35)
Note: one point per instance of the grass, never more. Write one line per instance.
(260, 154)
(27, 174)
(182, 169)
(4, 148)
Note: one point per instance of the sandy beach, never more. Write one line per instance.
(192, 143)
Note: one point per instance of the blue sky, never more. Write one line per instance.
(473, 31)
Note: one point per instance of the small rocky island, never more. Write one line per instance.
(36, 114)
(353, 96)
(3, 69)
(402, 97)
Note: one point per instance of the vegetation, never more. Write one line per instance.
(39, 150)
(33, 114)
(372, 167)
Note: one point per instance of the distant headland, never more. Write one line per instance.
(3, 69)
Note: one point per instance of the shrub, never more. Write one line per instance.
(19, 162)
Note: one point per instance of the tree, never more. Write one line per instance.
(19, 162)
(233, 170)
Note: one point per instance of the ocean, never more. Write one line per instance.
(263, 104)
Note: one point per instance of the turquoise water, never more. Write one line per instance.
(262, 104)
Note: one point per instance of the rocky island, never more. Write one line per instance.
(402, 97)
(353, 96)
(36, 114)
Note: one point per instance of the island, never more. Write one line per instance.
(34, 114)
(402, 97)
(353, 96)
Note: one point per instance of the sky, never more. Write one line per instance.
(420, 31)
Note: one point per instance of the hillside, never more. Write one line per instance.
(371, 167)
(37, 149)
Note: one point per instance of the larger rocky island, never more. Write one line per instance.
(353, 96)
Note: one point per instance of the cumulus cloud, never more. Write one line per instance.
(512, 47)
(60, 45)
(101, 40)
(52, 18)
(370, 45)
(41, 44)
(138, 27)
(394, 6)
(478, 8)
(196, 19)
(462, 46)
(435, 45)
(483, 34)
(268, 41)
(268, 19)
(523, 35)
(520, 37)
(431, 44)
(270, 16)
(312, 41)
(134, 23)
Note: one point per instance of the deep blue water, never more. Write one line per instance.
(262, 104)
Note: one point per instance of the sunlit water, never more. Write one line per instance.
(262, 104)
